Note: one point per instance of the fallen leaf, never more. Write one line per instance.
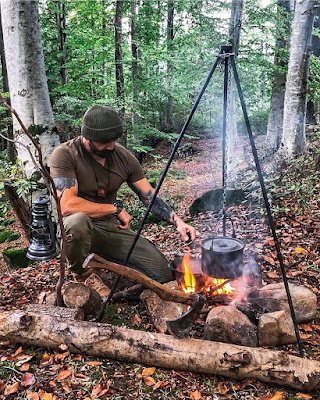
(27, 379)
(278, 396)
(63, 347)
(23, 300)
(2, 386)
(136, 320)
(316, 327)
(305, 327)
(223, 389)
(160, 384)
(270, 260)
(195, 395)
(149, 381)
(23, 359)
(272, 275)
(300, 250)
(18, 351)
(66, 386)
(32, 396)
(11, 388)
(96, 390)
(148, 371)
(24, 367)
(270, 241)
(304, 396)
(45, 395)
(94, 363)
(61, 356)
(77, 357)
(63, 374)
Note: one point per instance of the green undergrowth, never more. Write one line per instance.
(298, 185)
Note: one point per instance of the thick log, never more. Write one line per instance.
(103, 340)
(78, 295)
(75, 314)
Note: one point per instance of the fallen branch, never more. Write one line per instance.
(107, 341)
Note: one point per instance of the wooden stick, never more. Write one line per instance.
(165, 293)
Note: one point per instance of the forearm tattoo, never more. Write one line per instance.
(159, 208)
(64, 183)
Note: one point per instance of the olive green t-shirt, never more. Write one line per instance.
(96, 183)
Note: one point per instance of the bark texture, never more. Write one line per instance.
(103, 340)
(27, 79)
(295, 102)
(275, 121)
(78, 295)
(20, 207)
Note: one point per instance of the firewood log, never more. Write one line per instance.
(104, 340)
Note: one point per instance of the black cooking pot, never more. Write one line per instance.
(222, 256)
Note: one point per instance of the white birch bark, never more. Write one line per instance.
(295, 102)
(27, 79)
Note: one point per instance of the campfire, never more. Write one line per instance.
(191, 279)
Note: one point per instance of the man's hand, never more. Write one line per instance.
(185, 229)
(125, 220)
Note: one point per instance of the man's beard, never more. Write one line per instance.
(100, 153)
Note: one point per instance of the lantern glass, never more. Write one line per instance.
(42, 232)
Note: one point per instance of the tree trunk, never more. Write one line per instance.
(169, 105)
(118, 62)
(5, 88)
(27, 80)
(61, 22)
(107, 341)
(19, 206)
(275, 121)
(313, 107)
(295, 102)
(134, 65)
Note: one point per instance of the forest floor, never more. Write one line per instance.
(35, 373)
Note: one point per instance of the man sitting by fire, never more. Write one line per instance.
(87, 172)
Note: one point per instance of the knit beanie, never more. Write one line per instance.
(101, 124)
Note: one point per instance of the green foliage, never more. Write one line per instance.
(314, 79)
(16, 258)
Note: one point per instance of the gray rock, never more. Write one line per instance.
(161, 311)
(213, 199)
(275, 329)
(229, 325)
(273, 298)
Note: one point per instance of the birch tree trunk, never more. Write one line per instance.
(27, 79)
(275, 121)
(295, 101)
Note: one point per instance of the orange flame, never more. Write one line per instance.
(189, 285)
(208, 284)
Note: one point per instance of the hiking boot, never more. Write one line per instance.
(95, 282)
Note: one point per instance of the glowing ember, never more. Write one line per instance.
(190, 283)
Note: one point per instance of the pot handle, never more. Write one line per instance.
(227, 216)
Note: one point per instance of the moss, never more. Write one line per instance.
(14, 236)
(4, 235)
(9, 221)
(16, 258)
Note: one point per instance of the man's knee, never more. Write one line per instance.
(78, 226)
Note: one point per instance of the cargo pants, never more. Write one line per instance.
(100, 236)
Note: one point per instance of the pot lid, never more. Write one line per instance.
(223, 244)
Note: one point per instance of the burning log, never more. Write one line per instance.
(104, 340)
